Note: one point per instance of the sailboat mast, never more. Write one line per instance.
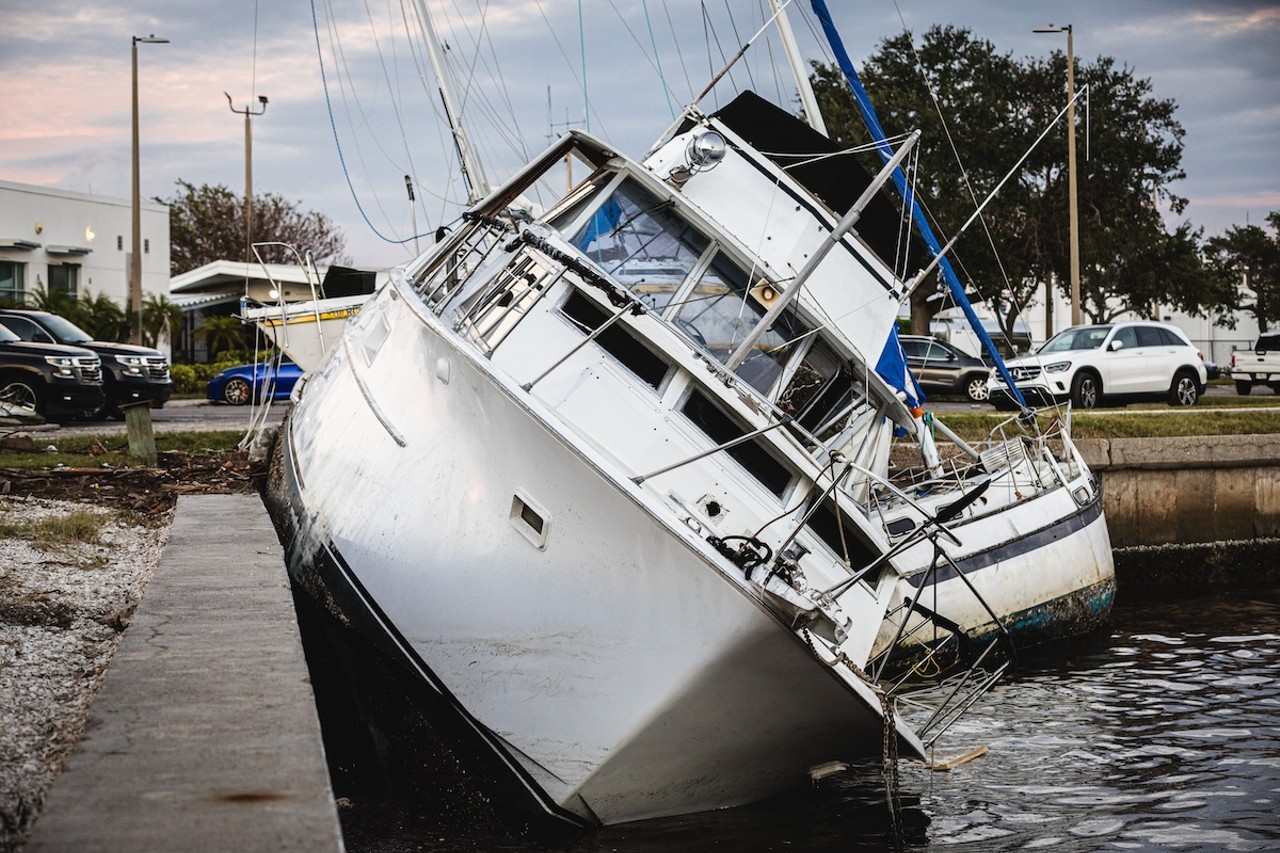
(472, 172)
(885, 150)
(807, 99)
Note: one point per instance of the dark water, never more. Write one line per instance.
(1161, 731)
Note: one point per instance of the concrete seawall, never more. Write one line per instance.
(1195, 509)
(1186, 490)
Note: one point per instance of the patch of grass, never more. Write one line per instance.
(79, 451)
(1133, 422)
(78, 527)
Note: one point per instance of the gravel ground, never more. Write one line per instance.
(62, 610)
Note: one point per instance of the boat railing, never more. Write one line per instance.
(466, 250)
(901, 668)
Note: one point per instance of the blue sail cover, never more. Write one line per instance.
(872, 121)
(892, 368)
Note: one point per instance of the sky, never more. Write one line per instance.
(352, 105)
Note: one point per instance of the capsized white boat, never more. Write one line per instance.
(588, 480)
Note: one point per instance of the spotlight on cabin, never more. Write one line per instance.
(705, 150)
(701, 153)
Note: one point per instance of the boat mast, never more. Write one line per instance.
(807, 99)
(472, 172)
(885, 150)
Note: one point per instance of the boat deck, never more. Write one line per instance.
(205, 734)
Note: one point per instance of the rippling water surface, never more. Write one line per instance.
(1160, 732)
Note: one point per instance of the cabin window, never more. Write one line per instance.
(724, 306)
(834, 527)
(638, 240)
(822, 389)
(572, 207)
(616, 340)
(752, 455)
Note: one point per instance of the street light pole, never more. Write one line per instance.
(248, 171)
(1072, 209)
(135, 257)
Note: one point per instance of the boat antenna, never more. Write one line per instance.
(885, 150)
(472, 172)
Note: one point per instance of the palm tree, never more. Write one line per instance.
(221, 332)
(53, 301)
(160, 316)
(101, 317)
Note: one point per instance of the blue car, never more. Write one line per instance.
(245, 382)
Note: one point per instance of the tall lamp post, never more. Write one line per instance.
(135, 258)
(248, 171)
(1071, 170)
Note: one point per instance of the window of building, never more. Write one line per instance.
(64, 278)
(12, 275)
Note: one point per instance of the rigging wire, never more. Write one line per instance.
(679, 53)
(582, 47)
(346, 174)
(654, 63)
(964, 173)
(737, 39)
(657, 60)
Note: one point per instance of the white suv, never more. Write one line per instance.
(1121, 362)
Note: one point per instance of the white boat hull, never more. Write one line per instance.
(305, 331)
(608, 663)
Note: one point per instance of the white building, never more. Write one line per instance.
(76, 243)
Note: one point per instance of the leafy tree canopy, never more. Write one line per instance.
(980, 111)
(1247, 262)
(206, 224)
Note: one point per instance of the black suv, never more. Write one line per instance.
(131, 373)
(942, 369)
(57, 382)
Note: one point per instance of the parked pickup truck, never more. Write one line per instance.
(1261, 366)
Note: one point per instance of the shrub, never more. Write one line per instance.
(185, 380)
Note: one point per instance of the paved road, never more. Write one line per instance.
(176, 416)
(956, 405)
(199, 415)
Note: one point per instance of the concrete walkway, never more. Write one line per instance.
(205, 735)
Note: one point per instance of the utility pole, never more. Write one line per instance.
(248, 171)
(135, 256)
(1072, 209)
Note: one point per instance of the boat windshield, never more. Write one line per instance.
(677, 271)
(638, 240)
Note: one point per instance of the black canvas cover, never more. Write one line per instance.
(345, 281)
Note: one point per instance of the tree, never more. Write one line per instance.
(1247, 262)
(979, 112)
(221, 332)
(101, 317)
(53, 301)
(206, 224)
(160, 316)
